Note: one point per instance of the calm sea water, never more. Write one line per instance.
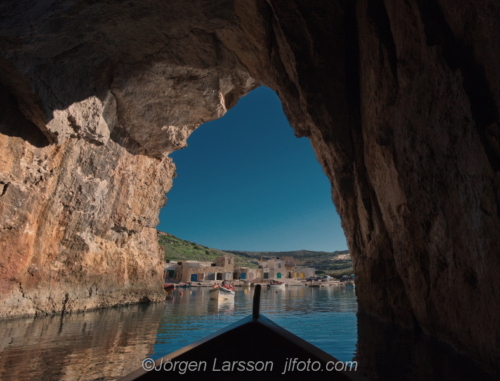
(109, 343)
(326, 317)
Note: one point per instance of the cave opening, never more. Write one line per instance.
(245, 182)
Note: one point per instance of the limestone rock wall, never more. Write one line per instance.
(429, 116)
(401, 102)
(399, 98)
(77, 224)
(93, 98)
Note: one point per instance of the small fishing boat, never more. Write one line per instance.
(183, 285)
(252, 348)
(276, 284)
(169, 287)
(223, 292)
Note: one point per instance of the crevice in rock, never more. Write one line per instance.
(80, 133)
(74, 244)
(352, 62)
(65, 302)
(21, 289)
(3, 188)
(151, 56)
(378, 15)
(123, 229)
(283, 81)
(14, 123)
(122, 137)
(74, 125)
(458, 56)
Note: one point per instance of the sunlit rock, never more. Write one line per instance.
(399, 99)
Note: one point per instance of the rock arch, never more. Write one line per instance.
(399, 99)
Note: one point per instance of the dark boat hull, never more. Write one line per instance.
(228, 354)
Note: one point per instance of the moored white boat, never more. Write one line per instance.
(276, 284)
(221, 293)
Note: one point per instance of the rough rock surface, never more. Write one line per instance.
(77, 223)
(399, 98)
(85, 135)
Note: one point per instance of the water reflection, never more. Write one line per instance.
(390, 353)
(109, 343)
(324, 316)
(103, 344)
(225, 307)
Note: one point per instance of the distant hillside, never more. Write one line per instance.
(335, 263)
(177, 249)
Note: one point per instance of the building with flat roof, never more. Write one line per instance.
(223, 269)
(285, 268)
(247, 273)
(196, 271)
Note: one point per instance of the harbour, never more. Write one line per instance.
(109, 343)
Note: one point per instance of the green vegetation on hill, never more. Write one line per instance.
(177, 249)
(335, 263)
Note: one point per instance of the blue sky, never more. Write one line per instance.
(245, 182)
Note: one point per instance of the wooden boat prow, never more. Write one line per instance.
(254, 338)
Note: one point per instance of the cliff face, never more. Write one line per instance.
(400, 101)
(85, 133)
(430, 99)
(77, 223)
